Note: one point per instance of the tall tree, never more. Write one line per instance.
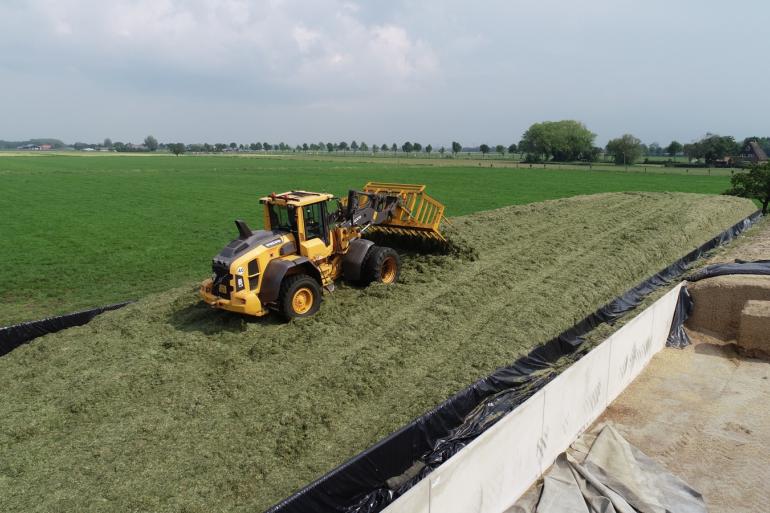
(354, 146)
(563, 141)
(441, 151)
(673, 148)
(429, 149)
(107, 143)
(151, 143)
(626, 149)
(394, 148)
(384, 147)
(500, 149)
(329, 147)
(407, 147)
(363, 146)
(484, 148)
(176, 148)
(512, 148)
(417, 147)
(714, 147)
(456, 147)
(342, 146)
(753, 184)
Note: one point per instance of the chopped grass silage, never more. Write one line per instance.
(167, 405)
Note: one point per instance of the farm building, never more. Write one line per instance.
(752, 153)
(35, 147)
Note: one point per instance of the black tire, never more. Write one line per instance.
(382, 265)
(293, 302)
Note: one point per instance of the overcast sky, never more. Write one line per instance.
(431, 71)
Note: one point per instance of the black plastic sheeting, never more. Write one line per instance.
(677, 337)
(13, 336)
(360, 484)
(761, 267)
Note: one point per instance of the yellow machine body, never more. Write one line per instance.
(311, 240)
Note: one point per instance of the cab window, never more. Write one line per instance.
(314, 221)
(281, 218)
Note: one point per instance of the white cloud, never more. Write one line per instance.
(305, 38)
(317, 51)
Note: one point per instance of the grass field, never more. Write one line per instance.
(82, 231)
(167, 405)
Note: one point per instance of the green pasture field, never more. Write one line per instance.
(82, 231)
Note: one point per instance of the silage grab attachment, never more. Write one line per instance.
(415, 214)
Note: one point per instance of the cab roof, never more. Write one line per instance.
(296, 198)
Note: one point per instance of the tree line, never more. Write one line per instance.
(549, 141)
(151, 144)
(569, 141)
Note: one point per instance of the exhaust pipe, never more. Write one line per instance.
(244, 232)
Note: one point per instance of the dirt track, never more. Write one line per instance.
(168, 405)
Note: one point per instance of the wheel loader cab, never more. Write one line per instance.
(306, 216)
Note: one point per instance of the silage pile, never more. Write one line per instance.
(167, 405)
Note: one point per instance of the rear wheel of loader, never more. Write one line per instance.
(382, 265)
(300, 296)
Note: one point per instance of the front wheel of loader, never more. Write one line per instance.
(382, 265)
(300, 296)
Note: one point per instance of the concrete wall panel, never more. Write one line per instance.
(494, 470)
(574, 400)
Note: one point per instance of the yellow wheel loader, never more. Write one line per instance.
(313, 239)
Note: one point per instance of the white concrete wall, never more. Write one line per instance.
(492, 472)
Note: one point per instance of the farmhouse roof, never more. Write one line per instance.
(759, 153)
